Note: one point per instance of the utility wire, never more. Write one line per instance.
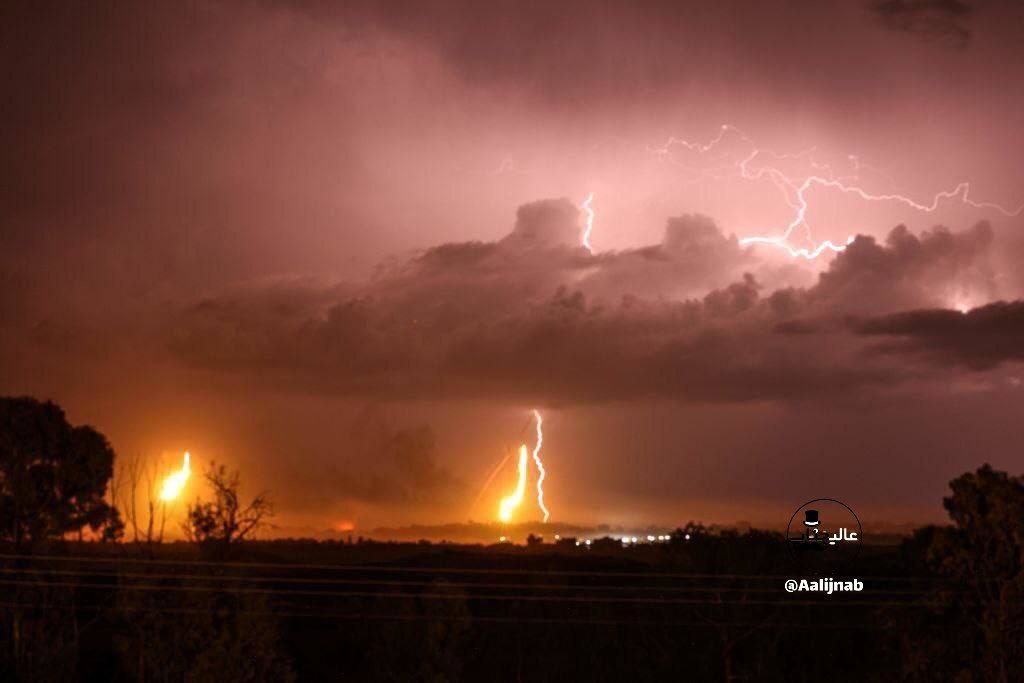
(26, 572)
(442, 570)
(441, 617)
(832, 602)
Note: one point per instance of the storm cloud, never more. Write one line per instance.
(980, 339)
(534, 316)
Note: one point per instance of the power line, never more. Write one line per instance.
(442, 617)
(833, 602)
(399, 583)
(439, 570)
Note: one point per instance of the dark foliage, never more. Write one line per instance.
(53, 475)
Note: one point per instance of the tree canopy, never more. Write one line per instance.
(53, 475)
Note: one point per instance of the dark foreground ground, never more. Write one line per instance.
(709, 608)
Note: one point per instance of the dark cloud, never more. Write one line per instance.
(533, 316)
(546, 222)
(944, 21)
(908, 270)
(980, 339)
(693, 257)
(567, 51)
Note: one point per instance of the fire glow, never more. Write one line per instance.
(509, 504)
(174, 484)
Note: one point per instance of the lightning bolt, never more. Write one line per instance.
(794, 190)
(540, 465)
(588, 209)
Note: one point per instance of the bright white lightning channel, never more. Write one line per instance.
(794, 191)
(589, 228)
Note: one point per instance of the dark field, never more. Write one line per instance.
(709, 608)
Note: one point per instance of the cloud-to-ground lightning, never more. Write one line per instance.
(588, 209)
(540, 464)
(509, 503)
(175, 481)
(795, 189)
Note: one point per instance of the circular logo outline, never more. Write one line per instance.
(860, 529)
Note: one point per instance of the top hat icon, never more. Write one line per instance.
(810, 518)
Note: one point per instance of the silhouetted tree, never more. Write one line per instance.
(985, 551)
(53, 476)
(53, 479)
(224, 521)
(973, 629)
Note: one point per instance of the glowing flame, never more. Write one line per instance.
(509, 504)
(175, 481)
(540, 464)
(794, 190)
(586, 206)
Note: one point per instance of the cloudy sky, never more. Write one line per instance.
(339, 247)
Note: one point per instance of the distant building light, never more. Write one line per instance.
(501, 540)
(633, 540)
(650, 538)
(687, 537)
(587, 541)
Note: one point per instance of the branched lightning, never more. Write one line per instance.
(589, 228)
(540, 465)
(795, 189)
